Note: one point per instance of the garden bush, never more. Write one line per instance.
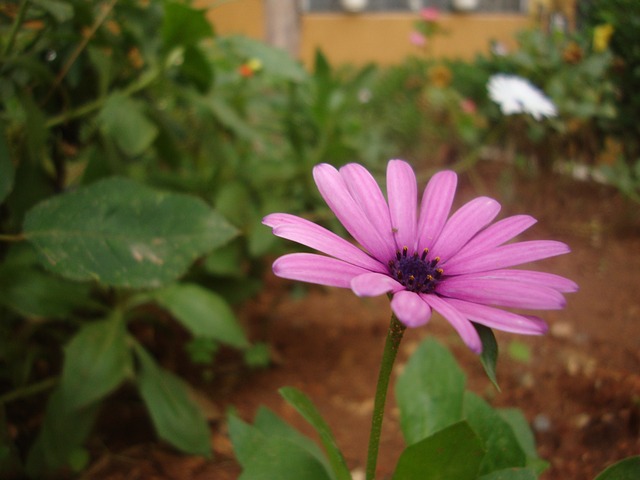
(139, 153)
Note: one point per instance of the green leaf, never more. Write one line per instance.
(124, 234)
(235, 202)
(228, 117)
(503, 448)
(627, 469)
(34, 293)
(305, 407)
(196, 68)
(60, 10)
(258, 355)
(202, 350)
(518, 423)
(63, 433)
(270, 425)
(123, 119)
(260, 240)
(454, 452)
(7, 172)
(489, 356)
(429, 392)
(97, 360)
(183, 25)
(226, 261)
(511, 474)
(202, 312)
(519, 351)
(176, 418)
(268, 453)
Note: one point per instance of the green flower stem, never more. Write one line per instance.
(391, 345)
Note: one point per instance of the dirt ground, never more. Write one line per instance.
(580, 387)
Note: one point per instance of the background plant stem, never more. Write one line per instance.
(15, 27)
(391, 345)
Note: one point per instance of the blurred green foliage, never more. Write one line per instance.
(139, 152)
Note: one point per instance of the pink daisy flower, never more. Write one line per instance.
(430, 14)
(457, 265)
(417, 39)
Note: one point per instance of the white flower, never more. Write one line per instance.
(516, 95)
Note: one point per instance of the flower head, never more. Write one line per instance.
(430, 14)
(427, 260)
(468, 106)
(418, 39)
(250, 67)
(440, 76)
(516, 95)
(572, 53)
(602, 36)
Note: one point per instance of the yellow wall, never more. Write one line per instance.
(384, 38)
(236, 16)
(374, 37)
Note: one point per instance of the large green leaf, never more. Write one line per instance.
(177, 419)
(272, 451)
(123, 119)
(183, 25)
(305, 407)
(270, 425)
(121, 233)
(503, 448)
(203, 312)
(429, 392)
(97, 360)
(627, 469)
(452, 453)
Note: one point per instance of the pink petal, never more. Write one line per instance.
(463, 326)
(312, 268)
(335, 192)
(402, 191)
(463, 225)
(307, 233)
(500, 292)
(500, 319)
(435, 207)
(365, 190)
(410, 309)
(494, 235)
(374, 284)
(277, 219)
(507, 256)
(556, 282)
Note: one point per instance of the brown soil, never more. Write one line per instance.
(580, 389)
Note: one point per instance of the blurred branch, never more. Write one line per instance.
(105, 10)
(15, 27)
(29, 390)
(142, 82)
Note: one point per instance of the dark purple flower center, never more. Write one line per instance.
(415, 272)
